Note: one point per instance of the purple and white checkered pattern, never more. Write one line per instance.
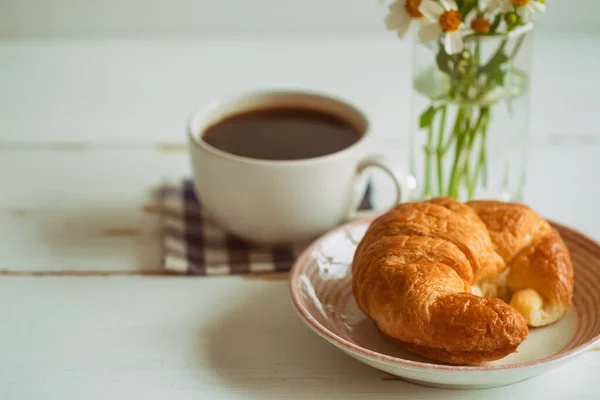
(194, 245)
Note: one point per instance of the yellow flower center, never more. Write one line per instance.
(412, 8)
(519, 3)
(450, 21)
(481, 24)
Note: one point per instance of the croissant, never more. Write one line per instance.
(461, 283)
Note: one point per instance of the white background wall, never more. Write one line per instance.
(97, 18)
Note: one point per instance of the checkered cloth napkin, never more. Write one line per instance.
(194, 245)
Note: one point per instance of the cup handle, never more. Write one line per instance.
(393, 171)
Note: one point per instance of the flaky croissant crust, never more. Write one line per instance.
(460, 283)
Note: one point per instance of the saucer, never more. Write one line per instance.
(321, 290)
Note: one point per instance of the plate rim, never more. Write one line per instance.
(331, 336)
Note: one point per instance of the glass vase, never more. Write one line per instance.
(470, 118)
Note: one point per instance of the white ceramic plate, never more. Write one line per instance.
(321, 290)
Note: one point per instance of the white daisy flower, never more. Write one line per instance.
(504, 6)
(520, 30)
(442, 18)
(526, 9)
(481, 24)
(483, 20)
(401, 14)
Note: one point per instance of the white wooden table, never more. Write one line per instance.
(88, 129)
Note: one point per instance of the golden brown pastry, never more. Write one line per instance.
(539, 274)
(437, 276)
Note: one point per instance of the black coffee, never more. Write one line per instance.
(281, 134)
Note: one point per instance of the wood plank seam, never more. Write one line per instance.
(276, 276)
(73, 146)
(75, 273)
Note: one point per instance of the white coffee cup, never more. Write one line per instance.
(275, 202)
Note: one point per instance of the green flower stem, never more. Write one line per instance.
(516, 49)
(448, 143)
(428, 148)
(468, 181)
(479, 129)
(484, 155)
(459, 133)
(481, 167)
(441, 151)
(466, 131)
(496, 61)
(470, 135)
